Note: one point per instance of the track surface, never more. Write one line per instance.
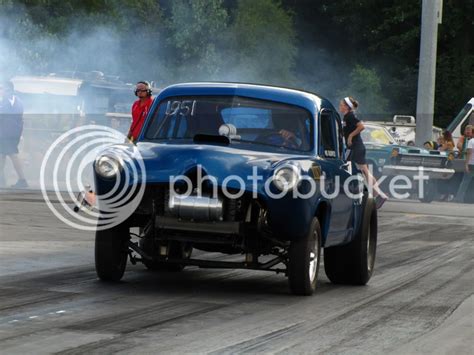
(51, 301)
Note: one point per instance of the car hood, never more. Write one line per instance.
(165, 160)
(388, 147)
(402, 149)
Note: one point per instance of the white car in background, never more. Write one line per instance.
(403, 129)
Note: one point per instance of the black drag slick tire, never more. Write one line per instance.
(353, 263)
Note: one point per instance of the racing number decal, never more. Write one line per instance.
(184, 108)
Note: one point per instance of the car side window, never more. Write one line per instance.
(327, 135)
(341, 139)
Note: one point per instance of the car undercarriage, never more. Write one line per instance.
(171, 226)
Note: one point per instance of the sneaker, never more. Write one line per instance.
(379, 201)
(20, 184)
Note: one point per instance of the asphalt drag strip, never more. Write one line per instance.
(52, 302)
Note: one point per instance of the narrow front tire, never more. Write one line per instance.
(111, 252)
(303, 261)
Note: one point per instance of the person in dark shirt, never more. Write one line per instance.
(11, 129)
(352, 127)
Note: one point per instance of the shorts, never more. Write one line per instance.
(357, 154)
(9, 146)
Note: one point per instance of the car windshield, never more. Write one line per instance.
(376, 134)
(261, 124)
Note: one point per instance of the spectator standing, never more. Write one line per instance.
(447, 142)
(140, 109)
(464, 140)
(11, 129)
(468, 172)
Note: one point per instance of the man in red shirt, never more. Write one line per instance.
(140, 109)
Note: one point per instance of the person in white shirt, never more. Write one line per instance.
(470, 156)
(468, 173)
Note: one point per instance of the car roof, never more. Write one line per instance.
(310, 101)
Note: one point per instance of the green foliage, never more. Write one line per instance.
(196, 28)
(366, 87)
(263, 42)
(366, 48)
(385, 35)
(54, 35)
(212, 42)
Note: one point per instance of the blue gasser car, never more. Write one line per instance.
(243, 169)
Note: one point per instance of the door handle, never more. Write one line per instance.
(345, 166)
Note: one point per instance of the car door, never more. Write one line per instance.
(336, 171)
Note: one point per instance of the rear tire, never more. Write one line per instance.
(303, 261)
(354, 263)
(111, 252)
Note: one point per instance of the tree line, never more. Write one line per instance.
(366, 48)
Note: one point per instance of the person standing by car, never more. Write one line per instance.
(447, 142)
(468, 172)
(140, 108)
(352, 127)
(464, 140)
(11, 129)
(447, 145)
